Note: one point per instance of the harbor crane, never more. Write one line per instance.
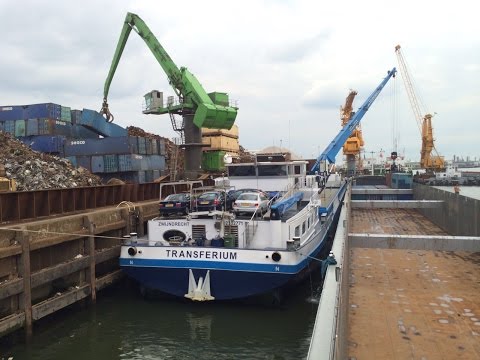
(328, 155)
(431, 163)
(354, 144)
(196, 108)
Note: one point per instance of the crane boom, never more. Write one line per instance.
(424, 122)
(333, 148)
(210, 113)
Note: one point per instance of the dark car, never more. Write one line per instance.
(213, 200)
(175, 204)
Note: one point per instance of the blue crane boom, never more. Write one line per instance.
(334, 147)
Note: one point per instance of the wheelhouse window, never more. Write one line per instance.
(272, 170)
(244, 170)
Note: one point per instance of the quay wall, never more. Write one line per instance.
(52, 263)
(458, 216)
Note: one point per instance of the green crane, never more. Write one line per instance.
(197, 108)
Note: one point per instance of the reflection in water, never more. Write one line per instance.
(123, 325)
(200, 326)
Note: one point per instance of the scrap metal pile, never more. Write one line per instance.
(34, 170)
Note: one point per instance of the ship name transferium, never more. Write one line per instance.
(202, 254)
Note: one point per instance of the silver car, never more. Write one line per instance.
(250, 202)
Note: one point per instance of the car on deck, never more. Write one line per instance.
(175, 204)
(213, 200)
(251, 202)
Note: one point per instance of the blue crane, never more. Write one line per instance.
(334, 147)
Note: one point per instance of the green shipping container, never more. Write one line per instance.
(19, 128)
(213, 161)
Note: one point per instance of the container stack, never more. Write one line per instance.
(86, 140)
(220, 142)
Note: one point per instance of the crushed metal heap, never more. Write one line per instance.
(33, 170)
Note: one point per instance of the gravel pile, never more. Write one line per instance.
(34, 170)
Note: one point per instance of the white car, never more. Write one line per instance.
(249, 202)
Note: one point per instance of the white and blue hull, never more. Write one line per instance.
(255, 266)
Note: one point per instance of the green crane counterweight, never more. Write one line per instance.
(197, 108)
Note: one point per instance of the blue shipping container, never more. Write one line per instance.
(142, 147)
(156, 162)
(109, 145)
(96, 122)
(149, 176)
(98, 165)
(148, 146)
(45, 143)
(32, 127)
(45, 110)
(155, 146)
(9, 126)
(110, 163)
(11, 112)
(76, 116)
(81, 132)
(139, 162)
(63, 128)
(124, 163)
(161, 147)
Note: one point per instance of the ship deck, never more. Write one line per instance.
(411, 304)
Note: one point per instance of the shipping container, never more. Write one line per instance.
(154, 146)
(133, 140)
(142, 147)
(148, 146)
(45, 110)
(46, 126)
(76, 116)
(62, 128)
(9, 127)
(224, 143)
(9, 113)
(161, 147)
(139, 162)
(104, 146)
(96, 122)
(156, 174)
(31, 127)
(124, 163)
(213, 160)
(155, 162)
(65, 114)
(81, 132)
(149, 176)
(19, 128)
(98, 165)
(52, 144)
(110, 163)
(233, 132)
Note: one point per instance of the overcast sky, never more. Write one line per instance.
(289, 64)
